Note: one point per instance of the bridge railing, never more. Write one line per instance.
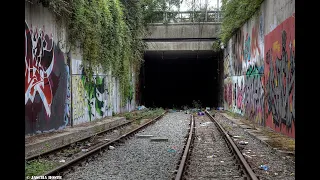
(187, 16)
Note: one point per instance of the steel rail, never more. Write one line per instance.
(80, 140)
(95, 150)
(186, 151)
(235, 149)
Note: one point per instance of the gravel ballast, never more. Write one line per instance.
(267, 163)
(141, 158)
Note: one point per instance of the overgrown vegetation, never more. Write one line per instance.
(108, 32)
(145, 113)
(216, 46)
(235, 14)
(108, 37)
(38, 167)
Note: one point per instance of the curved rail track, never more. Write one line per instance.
(211, 154)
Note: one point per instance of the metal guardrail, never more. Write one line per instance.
(187, 16)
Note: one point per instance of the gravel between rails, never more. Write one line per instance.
(210, 157)
(257, 153)
(139, 158)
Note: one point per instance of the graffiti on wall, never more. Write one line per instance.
(96, 95)
(254, 95)
(227, 66)
(237, 52)
(79, 104)
(238, 101)
(257, 43)
(90, 96)
(279, 77)
(247, 49)
(68, 98)
(46, 83)
(228, 93)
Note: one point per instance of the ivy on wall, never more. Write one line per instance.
(235, 14)
(108, 33)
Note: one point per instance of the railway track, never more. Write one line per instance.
(75, 156)
(211, 154)
(84, 143)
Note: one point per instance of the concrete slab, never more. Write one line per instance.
(144, 136)
(265, 135)
(263, 138)
(159, 139)
(45, 142)
(246, 127)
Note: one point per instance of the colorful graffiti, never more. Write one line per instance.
(96, 95)
(259, 74)
(246, 51)
(90, 96)
(237, 53)
(39, 60)
(79, 104)
(257, 46)
(228, 93)
(46, 83)
(279, 77)
(240, 87)
(68, 98)
(227, 66)
(254, 95)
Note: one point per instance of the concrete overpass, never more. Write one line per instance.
(184, 32)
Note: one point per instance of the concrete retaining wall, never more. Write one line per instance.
(57, 92)
(259, 68)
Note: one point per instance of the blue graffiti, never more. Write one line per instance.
(247, 49)
(68, 100)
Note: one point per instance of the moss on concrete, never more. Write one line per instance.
(39, 167)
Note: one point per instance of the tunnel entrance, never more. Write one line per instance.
(173, 79)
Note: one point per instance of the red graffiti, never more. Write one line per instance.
(240, 97)
(254, 42)
(228, 93)
(39, 60)
(280, 78)
(238, 56)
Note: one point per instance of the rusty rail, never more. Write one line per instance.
(30, 158)
(235, 149)
(97, 149)
(186, 151)
(67, 145)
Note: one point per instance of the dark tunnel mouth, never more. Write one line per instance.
(175, 79)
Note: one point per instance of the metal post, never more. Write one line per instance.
(71, 95)
(166, 16)
(206, 15)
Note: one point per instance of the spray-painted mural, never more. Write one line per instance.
(47, 90)
(95, 98)
(244, 68)
(259, 74)
(91, 97)
(227, 93)
(279, 77)
(238, 91)
(254, 95)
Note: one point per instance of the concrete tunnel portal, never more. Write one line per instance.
(173, 79)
